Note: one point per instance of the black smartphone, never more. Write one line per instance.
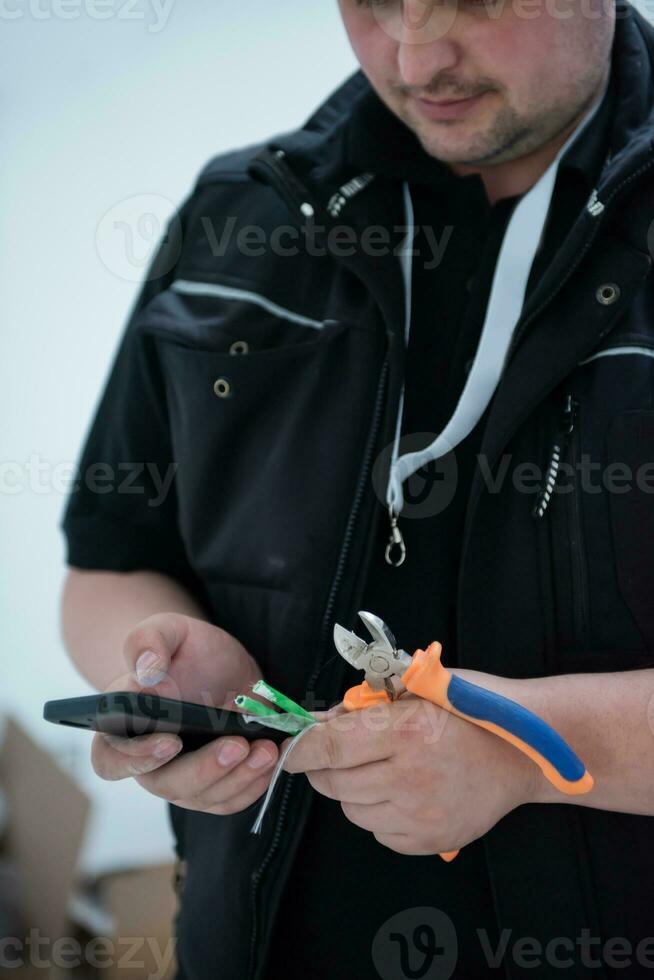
(129, 713)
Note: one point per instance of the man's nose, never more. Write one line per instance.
(425, 42)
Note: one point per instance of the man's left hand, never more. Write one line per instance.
(421, 780)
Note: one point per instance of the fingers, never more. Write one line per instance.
(238, 803)
(365, 784)
(222, 777)
(402, 844)
(116, 758)
(225, 776)
(150, 646)
(380, 818)
(333, 712)
(346, 740)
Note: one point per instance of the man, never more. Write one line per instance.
(332, 290)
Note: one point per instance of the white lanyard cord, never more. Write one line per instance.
(516, 258)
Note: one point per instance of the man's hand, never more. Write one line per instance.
(187, 659)
(420, 780)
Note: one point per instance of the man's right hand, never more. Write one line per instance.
(176, 656)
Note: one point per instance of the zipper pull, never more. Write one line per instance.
(396, 541)
(566, 428)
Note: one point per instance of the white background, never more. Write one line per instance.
(94, 112)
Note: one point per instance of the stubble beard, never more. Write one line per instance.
(506, 136)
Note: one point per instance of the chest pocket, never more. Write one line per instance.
(268, 408)
(598, 500)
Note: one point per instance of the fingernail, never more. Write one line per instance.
(141, 768)
(115, 741)
(165, 747)
(231, 752)
(149, 669)
(259, 758)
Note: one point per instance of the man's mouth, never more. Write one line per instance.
(448, 108)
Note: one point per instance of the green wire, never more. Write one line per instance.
(292, 718)
(280, 700)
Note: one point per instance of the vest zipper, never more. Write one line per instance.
(565, 429)
(577, 538)
(324, 638)
(566, 444)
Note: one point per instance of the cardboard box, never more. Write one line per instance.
(117, 925)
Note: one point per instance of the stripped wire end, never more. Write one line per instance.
(280, 700)
(252, 706)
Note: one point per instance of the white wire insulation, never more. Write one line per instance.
(256, 827)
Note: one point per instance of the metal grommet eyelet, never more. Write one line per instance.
(239, 347)
(608, 294)
(222, 388)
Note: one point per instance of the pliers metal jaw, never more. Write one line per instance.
(380, 659)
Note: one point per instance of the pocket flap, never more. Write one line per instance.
(216, 317)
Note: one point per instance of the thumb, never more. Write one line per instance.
(150, 646)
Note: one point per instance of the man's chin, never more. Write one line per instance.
(467, 152)
(452, 141)
(449, 141)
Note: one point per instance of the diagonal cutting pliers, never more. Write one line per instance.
(390, 672)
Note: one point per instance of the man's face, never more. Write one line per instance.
(528, 67)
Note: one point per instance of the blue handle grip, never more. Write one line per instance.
(480, 705)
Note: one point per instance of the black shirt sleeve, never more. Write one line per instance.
(121, 512)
